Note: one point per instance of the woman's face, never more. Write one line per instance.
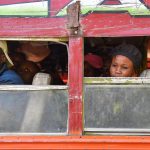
(122, 66)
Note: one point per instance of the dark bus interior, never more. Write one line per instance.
(104, 47)
(56, 63)
(32, 57)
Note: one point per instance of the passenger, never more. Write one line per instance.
(7, 76)
(17, 58)
(92, 65)
(126, 61)
(35, 51)
(27, 70)
(40, 53)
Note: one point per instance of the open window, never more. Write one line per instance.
(42, 107)
(47, 57)
(117, 105)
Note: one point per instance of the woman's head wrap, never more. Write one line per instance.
(129, 51)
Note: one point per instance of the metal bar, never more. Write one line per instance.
(31, 87)
(33, 134)
(53, 39)
(75, 142)
(119, 80)
(117, 130)
(75, 85)
(118, 86)
(117, 134)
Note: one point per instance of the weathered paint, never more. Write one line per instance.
(32, 22)
(92, 24)
(75, 85)
(49, 22)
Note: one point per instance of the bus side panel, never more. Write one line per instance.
(32, 18)
(118, 24)
(76, 143)
(33, 27)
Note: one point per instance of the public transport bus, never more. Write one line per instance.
(100, 113)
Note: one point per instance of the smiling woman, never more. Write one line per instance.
(126, 61)
(119, 104)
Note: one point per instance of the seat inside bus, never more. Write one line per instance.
(41, 79)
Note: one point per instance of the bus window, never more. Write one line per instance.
(31, 57)
(39, 106)
(99, 53)
(115, 105)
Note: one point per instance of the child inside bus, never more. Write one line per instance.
(126, 61)
(39, 53)
(92, 65)
(27, 70)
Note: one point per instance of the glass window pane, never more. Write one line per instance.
(35, 111)
(117, 106)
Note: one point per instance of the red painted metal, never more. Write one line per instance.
(93, 25)
(56, 6)
(112, 2)
(76, 143)
(146, 2)
(33, 27)
(75, 85)
(118, 24)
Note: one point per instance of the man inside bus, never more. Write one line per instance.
(40, 53)
(126, 61)
(7, 76)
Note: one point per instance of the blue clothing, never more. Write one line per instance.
(8, 76)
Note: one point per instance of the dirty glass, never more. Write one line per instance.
(33, 111)
(117, 106)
